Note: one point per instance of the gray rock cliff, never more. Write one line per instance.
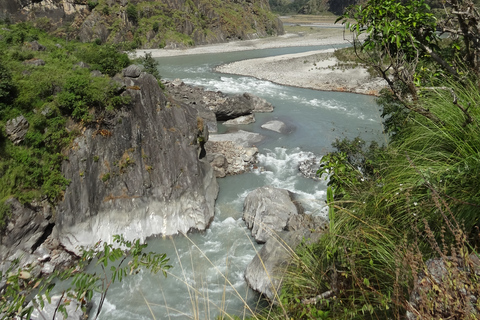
(139, 173)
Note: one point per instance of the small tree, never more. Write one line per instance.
(150, 65)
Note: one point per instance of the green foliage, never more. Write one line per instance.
(396, 26)
(113, 262)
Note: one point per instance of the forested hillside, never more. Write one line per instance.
(147, 24)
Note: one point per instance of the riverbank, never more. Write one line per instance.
(318, 70)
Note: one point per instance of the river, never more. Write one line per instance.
(207, 277)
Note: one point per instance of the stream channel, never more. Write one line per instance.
(195, 287)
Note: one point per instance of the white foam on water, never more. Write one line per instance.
(281, 170)
(235, 85)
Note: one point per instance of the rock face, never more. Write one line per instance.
(223, 106)
(26, 229)
(16, 129)
(29, 237)
(139, 174)
(228, 158)
(179, 23)
(267, 210)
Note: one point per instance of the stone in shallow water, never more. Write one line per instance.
(275, 125)
(241, 120)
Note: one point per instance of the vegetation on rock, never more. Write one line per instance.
(58, 99)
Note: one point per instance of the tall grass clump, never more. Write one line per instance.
(402, 243)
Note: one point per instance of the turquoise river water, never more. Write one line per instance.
(208, 273)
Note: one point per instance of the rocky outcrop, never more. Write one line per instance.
(29, 237)
(228, 158)
(154, 24)
(274, 217)
(223, 106)
(16, 129)
(267, 210)
(27, 227)
(139, 173)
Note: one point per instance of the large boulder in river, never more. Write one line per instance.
(267, 269)
(139, 174)
(240, 120)
(275, 125)
(267, 210)
(232, 107)
(259, 104)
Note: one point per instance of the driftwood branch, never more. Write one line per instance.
(326, 295)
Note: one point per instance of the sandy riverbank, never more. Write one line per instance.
(318, 70)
